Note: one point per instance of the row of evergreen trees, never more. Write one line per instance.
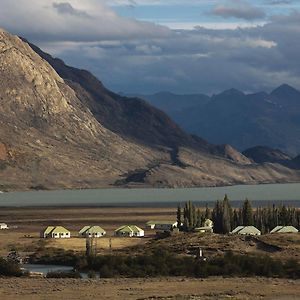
(226, 218)
(191, 217)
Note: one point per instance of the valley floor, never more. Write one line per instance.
(25, 238)
(146, 289)
(26, 224)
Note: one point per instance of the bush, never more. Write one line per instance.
(9, 268)
(163, 263)
(49, 256)
(92, 274)
(73, 274)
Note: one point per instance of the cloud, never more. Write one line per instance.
(135, 56)
(239, 9)
(75, 20)
(67, 8)
(280, 2)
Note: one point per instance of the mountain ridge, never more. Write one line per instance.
(71, 132)
(245, 120)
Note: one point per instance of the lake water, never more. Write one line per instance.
(44, 269)
(289, 193)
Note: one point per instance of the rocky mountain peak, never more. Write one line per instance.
(286, 91)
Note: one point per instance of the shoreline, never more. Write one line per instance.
(147, 187)
(151, 197)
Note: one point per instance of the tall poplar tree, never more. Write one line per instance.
(247, 212)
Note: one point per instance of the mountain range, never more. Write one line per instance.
(242, 120)
(61, 128)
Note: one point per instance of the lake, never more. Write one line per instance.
(259, 194)
(44, 269)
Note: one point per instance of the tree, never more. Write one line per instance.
(217, 217)
(179, 220)
(236, 219)
(190, 216)
(207, 212)
(247, 213)
(199, 218)
(284, 216)
(226, 215)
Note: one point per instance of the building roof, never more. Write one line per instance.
(55, 229)
(203, 228)
(129, 228)
(236, 230)
(161, 222)
(246, 230)
(284, 229)
(208, 223)
(48, 229)
(60, 229)
(84, 229)
(92, 229)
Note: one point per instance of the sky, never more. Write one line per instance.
(147, 46)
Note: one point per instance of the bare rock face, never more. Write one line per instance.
(54, 138)
(71, 132)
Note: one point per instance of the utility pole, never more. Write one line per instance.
(91, 246)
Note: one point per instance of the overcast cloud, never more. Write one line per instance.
(239, 9)
(131, 55)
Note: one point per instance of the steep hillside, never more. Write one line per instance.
(133, 118)
(130, 117)
(173, 104)
(260, 154)
(61, 128)
(48, 137)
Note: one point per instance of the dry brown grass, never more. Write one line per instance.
(78, 244)
(31, 220)
(150, 289)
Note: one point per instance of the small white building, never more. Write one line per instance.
(92, 231)
(284, 229)
(246, 230)
(208, 226)
(3, 226)
(161, 225)
(56, 232)
(129, 231)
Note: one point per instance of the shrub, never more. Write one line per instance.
(9, 268)
(92, 274)
(72, 274)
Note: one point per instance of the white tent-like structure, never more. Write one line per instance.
(246, 230)
(284, 229)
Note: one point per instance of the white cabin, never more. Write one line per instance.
(3, 226)
(56, 232)
(129, 231)
(161, 225)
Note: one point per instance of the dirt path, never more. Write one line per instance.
(158, 288)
